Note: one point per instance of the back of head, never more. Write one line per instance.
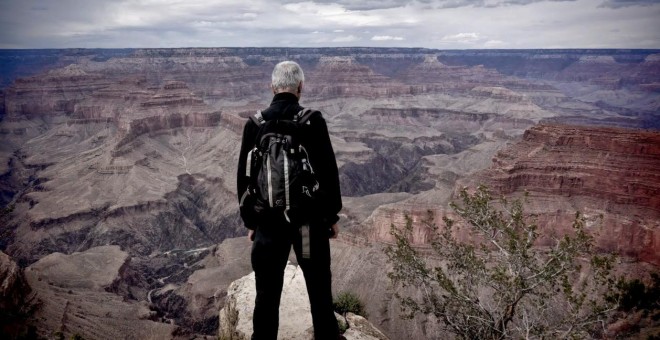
(286, 77)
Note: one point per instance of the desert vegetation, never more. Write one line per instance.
(500, 283)
(347, 302)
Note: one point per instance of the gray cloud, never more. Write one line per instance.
(364, 5)
(395, 23)
(627, 3)
(367, 5)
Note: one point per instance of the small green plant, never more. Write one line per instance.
(639, 307)
(635, 295)
(347, 302)
(343, 326)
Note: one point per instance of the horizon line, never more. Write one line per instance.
(337, 47)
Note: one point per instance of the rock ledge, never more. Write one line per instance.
(295, 315)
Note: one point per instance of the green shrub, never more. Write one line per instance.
(347, 302)
(634, 294)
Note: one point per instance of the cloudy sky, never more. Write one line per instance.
(442, 24)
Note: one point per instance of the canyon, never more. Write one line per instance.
(125, 160)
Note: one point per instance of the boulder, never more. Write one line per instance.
(295, 312)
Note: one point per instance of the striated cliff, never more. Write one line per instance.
(609, 174)
(617, 165)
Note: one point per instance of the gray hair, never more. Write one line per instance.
(286, 76)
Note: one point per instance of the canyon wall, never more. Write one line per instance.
(138, 149)
(606, 172)
(609, 174)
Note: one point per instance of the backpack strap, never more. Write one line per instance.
(301, 117)
(304, 115)
(257, 118)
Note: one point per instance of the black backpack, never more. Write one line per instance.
(281, 177)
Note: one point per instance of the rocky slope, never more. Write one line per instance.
(76, 294)
(133, 150)
(138, 148)
(17, 299)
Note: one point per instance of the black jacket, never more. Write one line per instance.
(322, 157)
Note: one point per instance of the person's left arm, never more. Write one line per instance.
(325, 167)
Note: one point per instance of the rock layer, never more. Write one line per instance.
(615, 165)
(605, 172)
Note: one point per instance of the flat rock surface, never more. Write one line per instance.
(94, 268)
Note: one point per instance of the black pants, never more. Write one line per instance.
(270, 251)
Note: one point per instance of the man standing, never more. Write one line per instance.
(273, 235)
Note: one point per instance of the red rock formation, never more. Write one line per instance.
(617, 165)
(138, 109)
(612, 175)
(422, 216)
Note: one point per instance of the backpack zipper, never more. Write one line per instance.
(248, 166)
(306, 160)
(270, 182)
(286, 186)
(245, 194)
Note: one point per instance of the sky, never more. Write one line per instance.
(438, 24)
